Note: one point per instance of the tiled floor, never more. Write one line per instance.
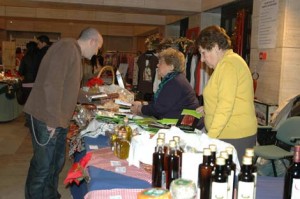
(15, 155)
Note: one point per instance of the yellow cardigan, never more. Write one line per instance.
(228, 100)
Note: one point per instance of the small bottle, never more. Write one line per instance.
(124, 147)
(117, 144)
(229, 163)
(162, 136)
(179, 150)
(219, 183)
(246, 180)
(158, 170)
(204, 174)
(113, 137)
(224, 155)
(126, 129)
(292, 177)
(213, 149)
(250, 153)
(172, 164)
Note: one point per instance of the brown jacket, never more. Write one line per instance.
(55, 91)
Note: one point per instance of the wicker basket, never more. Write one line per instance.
(107, 68)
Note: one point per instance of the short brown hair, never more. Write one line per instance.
(173, 57)
(212, 35)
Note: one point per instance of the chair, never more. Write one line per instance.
(288, 134)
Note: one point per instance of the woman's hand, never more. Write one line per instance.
(136, 108)
(200, 109)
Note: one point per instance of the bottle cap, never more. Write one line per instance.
(172, 143)
(249, 152)
(220, 161)
(176, 138)
(224, 155)
(213, 147)
(297, 148)
(206, 152)
(247, 160)
(229, 150)
(161, 135)
(160, 141)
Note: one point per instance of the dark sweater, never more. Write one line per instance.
(176, 95)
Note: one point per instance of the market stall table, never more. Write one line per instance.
(105, 184)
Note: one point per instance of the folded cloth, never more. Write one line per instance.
(142, 147)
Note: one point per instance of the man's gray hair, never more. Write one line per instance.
(89, 33)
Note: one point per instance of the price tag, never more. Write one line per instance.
(120, 169)
(115, 197)
(93, 147)
(115, 163)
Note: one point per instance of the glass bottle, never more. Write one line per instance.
(246, 180)
(204, 174)
(113, 137)
(213, 149)
(162, 136)
(126, 129)
(124, 147)
(229, 163)
(292, 177)
(250, 153)
(117, 144)
(224, 155)
(172, 164)
(219, 183)
(179, 150)
(158, 170)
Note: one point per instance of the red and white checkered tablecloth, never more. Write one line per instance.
(101, 158)
(113, 194)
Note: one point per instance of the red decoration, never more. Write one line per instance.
(77, 171)
(94, 81)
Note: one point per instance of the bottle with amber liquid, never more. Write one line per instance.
(116, 144)
(123, 147)
(172, 165)
(219, 183)
(179, 150)
(158, 170)
(292, 177)
(246, 180)
(126, 129)
(250, 153)
(204, 175)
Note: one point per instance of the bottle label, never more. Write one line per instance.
(245, 190)
(163, 179)
(230, 184)
(295, 192)
(255, 181)
(219, 190)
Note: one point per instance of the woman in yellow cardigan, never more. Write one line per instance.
(228, 96)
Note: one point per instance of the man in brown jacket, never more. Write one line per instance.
(49, 109)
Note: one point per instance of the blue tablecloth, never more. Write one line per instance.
(267, 187)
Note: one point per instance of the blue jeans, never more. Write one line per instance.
(47, 161)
